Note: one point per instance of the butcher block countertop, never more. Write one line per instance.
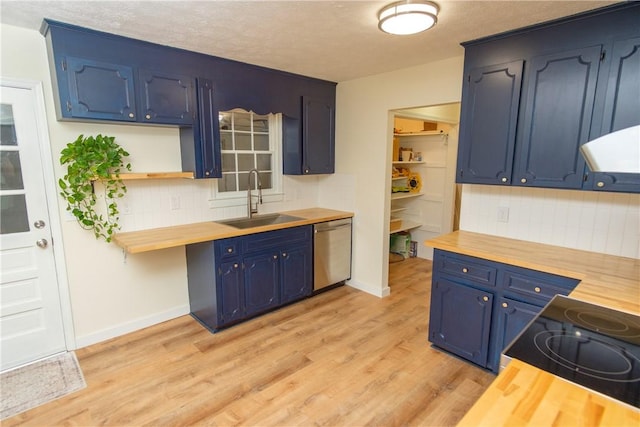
(179, 235)
(527, 396)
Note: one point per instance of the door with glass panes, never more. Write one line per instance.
(31, 325)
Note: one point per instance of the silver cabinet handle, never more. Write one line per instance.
(485, 298)
(42, 243)
(39, 224)
(504, 179)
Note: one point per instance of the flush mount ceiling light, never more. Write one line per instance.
(408, 17)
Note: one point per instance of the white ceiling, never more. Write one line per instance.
(332, 40)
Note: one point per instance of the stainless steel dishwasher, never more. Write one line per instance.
(331, 253)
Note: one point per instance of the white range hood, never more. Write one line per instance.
(615, 152)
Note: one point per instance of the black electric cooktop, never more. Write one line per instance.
(593, 346)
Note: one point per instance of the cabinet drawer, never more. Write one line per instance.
(228, 248)
(537, 284)
(276, 239)
(466, 267)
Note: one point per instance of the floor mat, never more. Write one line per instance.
(40, 382)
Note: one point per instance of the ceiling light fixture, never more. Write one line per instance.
(408, 17)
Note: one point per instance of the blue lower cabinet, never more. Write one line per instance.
(297, 278)
(475, 316)
(261, 283)
(230, 292)
(232, 280)
(460, 320)
(511, 318)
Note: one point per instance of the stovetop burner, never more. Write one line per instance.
(593, 346)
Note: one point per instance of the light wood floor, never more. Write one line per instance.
(343, 358)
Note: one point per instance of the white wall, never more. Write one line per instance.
(588, 220)
(364, 126)
(112, 294)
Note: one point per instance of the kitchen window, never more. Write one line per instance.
(249, 141)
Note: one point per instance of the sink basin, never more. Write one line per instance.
(259, 220)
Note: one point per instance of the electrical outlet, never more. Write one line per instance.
(503, 214)
(175, 203)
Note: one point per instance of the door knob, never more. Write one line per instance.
(39, 224)
(42, 243)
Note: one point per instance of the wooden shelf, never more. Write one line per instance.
(404, 226)
(397, 210)
(422, 133)
(155, 175)
(408, 195)
(400, 162)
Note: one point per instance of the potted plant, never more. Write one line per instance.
(90, 159)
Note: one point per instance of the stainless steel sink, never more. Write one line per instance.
(259, 220)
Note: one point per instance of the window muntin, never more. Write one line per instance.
(248, 141)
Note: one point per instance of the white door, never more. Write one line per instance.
(31, 325)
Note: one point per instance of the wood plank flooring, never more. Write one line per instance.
(342, 358)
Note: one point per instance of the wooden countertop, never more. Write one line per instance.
(179, 235)
(527, 396)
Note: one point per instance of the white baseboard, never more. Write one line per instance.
(131, 326)
(378, 292)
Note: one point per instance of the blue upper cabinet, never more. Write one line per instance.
(491, 96)
(166, 98)
(108, 91)
(98, 90)
(103, 77)
(556, 119)
(200, 144)
(579, 79)
(318, 130)
(621, 109)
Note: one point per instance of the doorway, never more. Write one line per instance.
(423, 189)
(35, 318)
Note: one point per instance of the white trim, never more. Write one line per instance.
(35, 87)
(373, 290)
(131, 326)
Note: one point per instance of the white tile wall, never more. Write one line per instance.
(599, 222)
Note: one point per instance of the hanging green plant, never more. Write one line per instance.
(90, 159)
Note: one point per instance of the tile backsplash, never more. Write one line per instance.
(593, 221)
(163, 203)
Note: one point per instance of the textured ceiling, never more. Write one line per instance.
(332, 40)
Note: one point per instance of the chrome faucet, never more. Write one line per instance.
(250, 208)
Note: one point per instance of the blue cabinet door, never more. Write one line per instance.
(200, 144)
(166, 98)
(556, 119)
(460, 320)
(296, 271)
(490, 100)
(318, 136)
(621, 110)
(230, 293)
(261, 282)
(512, 317)
(99, 90)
